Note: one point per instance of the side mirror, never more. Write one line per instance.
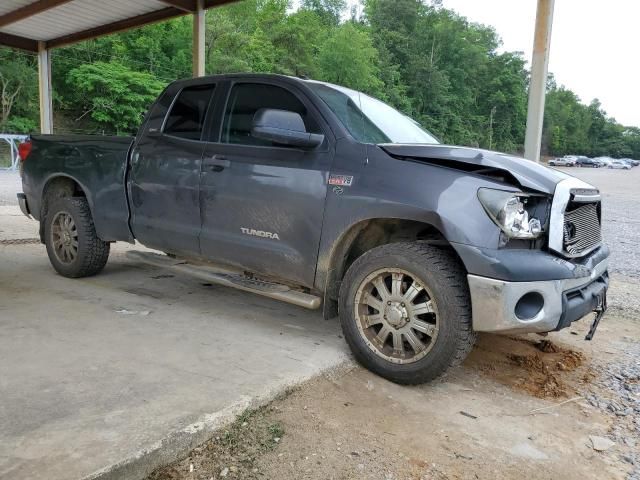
(285, 128)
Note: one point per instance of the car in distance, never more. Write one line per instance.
(619, 164)
(319, 195)
(566, 161)
(631, 161)
(586, 162)
(604, 161)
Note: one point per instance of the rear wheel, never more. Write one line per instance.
(406, 313)
(73, 247)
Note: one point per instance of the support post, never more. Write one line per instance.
(44, 88)
(199, 40)
(538, 85)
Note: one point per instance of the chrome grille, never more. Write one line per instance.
(581, 229)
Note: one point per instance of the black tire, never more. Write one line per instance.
(442, 274)
(91, 253)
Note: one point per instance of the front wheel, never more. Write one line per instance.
(73, 247)
(405, 311)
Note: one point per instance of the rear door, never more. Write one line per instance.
(263, 204)
(164, 180)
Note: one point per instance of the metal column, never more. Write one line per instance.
(538, 85)
(44, 87)
(199, 40)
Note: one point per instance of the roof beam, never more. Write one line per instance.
(189, 6)
(29, 11)
(119, 26)
(21, 43)
(217, 3)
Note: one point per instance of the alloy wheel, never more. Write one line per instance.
(64, 236)
(396, 315)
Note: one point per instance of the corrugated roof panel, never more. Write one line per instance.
(7, 6)
(76, 16)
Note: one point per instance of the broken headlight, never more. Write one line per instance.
(509, 211)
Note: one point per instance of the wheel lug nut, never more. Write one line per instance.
(388, 303)
(402, 304)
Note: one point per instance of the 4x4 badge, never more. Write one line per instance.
(341, 180)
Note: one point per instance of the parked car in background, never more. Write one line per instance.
(619, 164)
(566, 161)
(604, 161)
(631, 161)
(587, 162)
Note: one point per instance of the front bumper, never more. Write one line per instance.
(539, 306)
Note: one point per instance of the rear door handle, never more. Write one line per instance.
(217, 163)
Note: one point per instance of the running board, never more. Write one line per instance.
(227, 278)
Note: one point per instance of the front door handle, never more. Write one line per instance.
(217, 163)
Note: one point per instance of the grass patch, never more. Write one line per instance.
(232, 452)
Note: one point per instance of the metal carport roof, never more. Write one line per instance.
(24, 23)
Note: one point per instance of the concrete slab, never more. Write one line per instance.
(10, 185)
(132, 364)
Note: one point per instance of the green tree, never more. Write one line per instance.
(18, 92)
(329, 11)
(348, 58)
(115, 96)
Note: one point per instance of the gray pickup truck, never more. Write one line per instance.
(318, 195)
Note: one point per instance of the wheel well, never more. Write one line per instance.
(55, 188)
(369, 234)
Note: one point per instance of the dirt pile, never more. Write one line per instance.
(536, 367)
(543, 377)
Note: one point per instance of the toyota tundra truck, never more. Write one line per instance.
(321, 196)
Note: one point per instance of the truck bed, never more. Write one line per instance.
(96, 163)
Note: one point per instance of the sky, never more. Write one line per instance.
(594, 45)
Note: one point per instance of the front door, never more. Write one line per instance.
(262, 205)
(164, 180)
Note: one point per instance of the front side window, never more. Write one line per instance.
(186, 118)
(246, 99)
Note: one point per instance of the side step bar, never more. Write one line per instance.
(227, 278)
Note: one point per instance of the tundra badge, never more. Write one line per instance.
(259, 233)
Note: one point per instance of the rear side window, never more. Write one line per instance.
(186, 117)
(246, 99)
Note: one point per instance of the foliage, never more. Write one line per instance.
(18, 92)
(426, 60)
(112, 94)
(349, 58)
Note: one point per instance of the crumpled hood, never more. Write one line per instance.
(530, 175)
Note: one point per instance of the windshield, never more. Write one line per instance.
(370, 120)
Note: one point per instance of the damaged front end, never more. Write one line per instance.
(550, 267)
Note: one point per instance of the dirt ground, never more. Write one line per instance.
(518, 404)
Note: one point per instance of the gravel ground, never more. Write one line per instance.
(617, 392)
